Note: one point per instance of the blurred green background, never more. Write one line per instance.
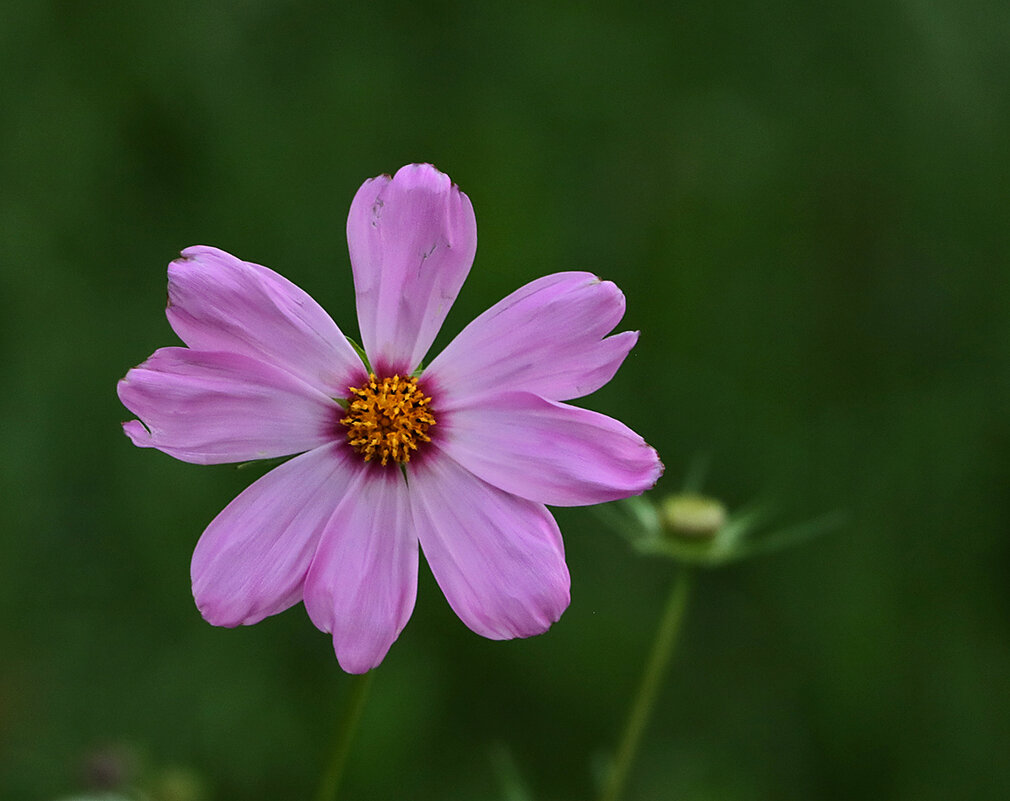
(806, 206)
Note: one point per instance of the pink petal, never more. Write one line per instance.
(363, 579)
(252, 559)
(546, 337)
(210, 408)
(412, 239)
(549, 452)
(217, 302)
(498, 558)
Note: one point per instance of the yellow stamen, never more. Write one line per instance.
(388, 418)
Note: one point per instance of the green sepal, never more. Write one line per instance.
(742, 536)
(265, 464)
(361, 353)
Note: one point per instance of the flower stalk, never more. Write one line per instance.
(329, 785)
(662, 649)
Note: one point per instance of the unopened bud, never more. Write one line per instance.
(692, 516)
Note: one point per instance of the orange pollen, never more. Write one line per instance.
(388, 418)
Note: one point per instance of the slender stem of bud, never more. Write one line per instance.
(329, 785)
(638, 717)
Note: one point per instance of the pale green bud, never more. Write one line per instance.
(692, 516)
(696, 529)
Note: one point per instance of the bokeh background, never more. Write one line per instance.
(806, 206)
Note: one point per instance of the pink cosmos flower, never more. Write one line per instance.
(460, 455)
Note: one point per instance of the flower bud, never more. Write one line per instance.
(692, 516)
(697, 530)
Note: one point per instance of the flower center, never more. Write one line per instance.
(388, 418)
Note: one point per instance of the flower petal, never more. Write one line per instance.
(363, 579)
(412, 239)
(252, 559)
(498, 558)
(210, 408)
(217, 302)
(549, 452)
(546, 337)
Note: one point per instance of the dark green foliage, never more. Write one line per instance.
(806, 205)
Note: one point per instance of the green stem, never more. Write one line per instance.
(638, 718)
(329, 785)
